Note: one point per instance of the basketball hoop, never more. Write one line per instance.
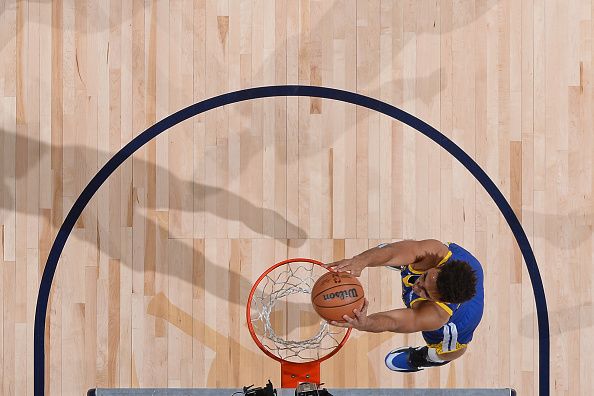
(268, 303)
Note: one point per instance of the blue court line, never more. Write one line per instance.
(291, 90)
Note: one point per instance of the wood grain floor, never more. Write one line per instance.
(151, 287)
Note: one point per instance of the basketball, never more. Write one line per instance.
(336, 294)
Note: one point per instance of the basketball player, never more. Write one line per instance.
(442, 288)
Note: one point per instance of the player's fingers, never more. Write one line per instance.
(343, 271)
(348, 318)
(338, 265)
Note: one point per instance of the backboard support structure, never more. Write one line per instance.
(294, 373)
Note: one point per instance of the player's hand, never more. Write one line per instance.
(359, 321)
(352, 265)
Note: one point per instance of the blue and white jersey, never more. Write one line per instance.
(464, 317)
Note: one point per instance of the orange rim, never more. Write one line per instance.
(249, 321)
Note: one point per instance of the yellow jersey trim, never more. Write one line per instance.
(446, 258)
(442, 262)
(445, 307)
(417, 299)
(406, 282)
(414, 271)
(439, 347)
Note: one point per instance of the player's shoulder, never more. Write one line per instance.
(433, 245)
(440, 311)
(429, 253)
(461, 254)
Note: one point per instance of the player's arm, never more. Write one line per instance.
(425, 316)
(397, 253)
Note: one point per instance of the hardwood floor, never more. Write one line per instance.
(152, 284)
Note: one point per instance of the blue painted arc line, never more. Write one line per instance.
(290, 90)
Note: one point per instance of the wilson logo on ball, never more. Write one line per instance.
(341, 294)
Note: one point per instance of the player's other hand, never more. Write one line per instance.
(359, 320)
(352, 265)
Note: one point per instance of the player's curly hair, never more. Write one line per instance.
(456, 282)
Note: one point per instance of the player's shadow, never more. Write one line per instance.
(161, 307)
(97, 22)
(152, 225)
(368, 72)
(431, 86)
(99, 19)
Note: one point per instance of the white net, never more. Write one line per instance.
(283, 318)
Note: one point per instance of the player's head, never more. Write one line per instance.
(455, 283)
